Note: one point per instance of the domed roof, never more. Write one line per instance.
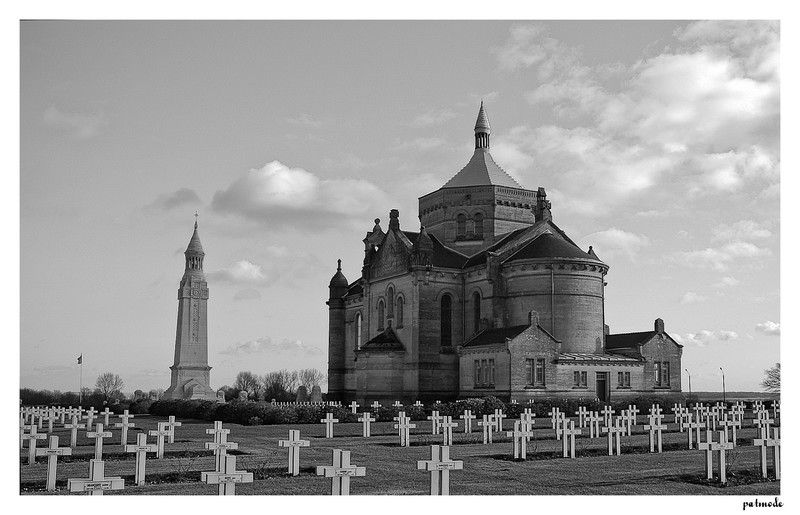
(339, 280)
(549, 245)
(195, 247)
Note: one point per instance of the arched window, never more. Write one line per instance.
(358, 331)
(479, 225)
(461, 225)
(476, 311)
(380, 315)
(447, 321)
(390, 303)
(399, 312)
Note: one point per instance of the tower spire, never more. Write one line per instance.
(482, 129)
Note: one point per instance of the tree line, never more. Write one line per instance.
(281, 385)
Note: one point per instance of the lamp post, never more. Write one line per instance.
(690, 381)
(723, 384)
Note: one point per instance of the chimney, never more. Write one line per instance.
(533, 318)
(394, 222)
(606, 329)
(659, 326)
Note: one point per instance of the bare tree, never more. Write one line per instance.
(772, 381)
(108, 385)
(280, 385)
(248, 382)
(310, 377)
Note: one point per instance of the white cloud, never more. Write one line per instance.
(81, 126)
(705, 337)
(181, 197)
(276, 263)
(691, 297)
(306, 120)
(293, 196)
(721, 258)
(265, 345)
(727, 281)
(741, 230)
(615, 242)
(421, 144)
(769, 327)
(240, 272)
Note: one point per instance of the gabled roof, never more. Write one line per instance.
(355, 288)
(481, 170)
(387, 340)
(492, 336)
(590, 357)
(443, 256)
(480, 257)
(628, 340)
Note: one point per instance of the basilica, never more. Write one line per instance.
(488, 297)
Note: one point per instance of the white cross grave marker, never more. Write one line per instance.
(554, 418)
(520, 436)
(53, 451)
(397, 404)
(376, 405)
(593, 421)
(498, 419)
(447, 426)
(32, 437)
(570, 433)
(709, 446)
(171, 425)
(354, 407)
(340, 472)
(488, 426)
(141, 448)
(614, 431)
(608, 415)
(294, 443)
(434, 418)
(439, 467)
(418, 404)
(366, 419)
(654, 427)
(582, 413)
(694, 426)
(775, 444)
(106, 414)
(220, 445)
(90, 417)
(403, 427)
(97, 482)
(329, 421)
(467, 417)
(124, 425)
(98, 435)
(227, 477)
(731, 424)
(161, 433)
(73, 427)
(527, 418)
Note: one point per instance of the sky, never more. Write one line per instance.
(657, 143)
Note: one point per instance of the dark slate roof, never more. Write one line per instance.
(355, 288)
(627, 340)
(442, 256)
(480, 257)
(492, 336)
(195, 247)
(587, 356)
(386, 340)
(549, 246)
(481, 171)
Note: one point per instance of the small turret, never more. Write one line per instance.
(423, 248)
(482, 129)
(541, 211)
(194, 252)
(338, 284)
(394, 220)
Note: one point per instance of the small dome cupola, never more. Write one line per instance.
(338, 285)
(482, 129)
(194, 252)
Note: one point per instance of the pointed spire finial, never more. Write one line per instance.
(195, 219)
(338, 265)
(482, 129)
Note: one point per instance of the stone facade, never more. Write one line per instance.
(489, 297)
(191, 375)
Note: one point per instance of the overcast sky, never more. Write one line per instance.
(657, 142)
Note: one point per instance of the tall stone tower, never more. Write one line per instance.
(191, 374)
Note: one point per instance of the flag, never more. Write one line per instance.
(80, 359)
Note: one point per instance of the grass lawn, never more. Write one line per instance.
(488, 469)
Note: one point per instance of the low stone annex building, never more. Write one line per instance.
(489, 297)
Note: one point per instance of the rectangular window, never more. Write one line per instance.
(539, 380)
(528, 371)
(657, 372)
(490, 379)
(580, 379)
(484, 371)
(477, 372)
(620, 379)
(627, 379)
(665, 374)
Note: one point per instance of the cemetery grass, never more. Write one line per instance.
(390, 469)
